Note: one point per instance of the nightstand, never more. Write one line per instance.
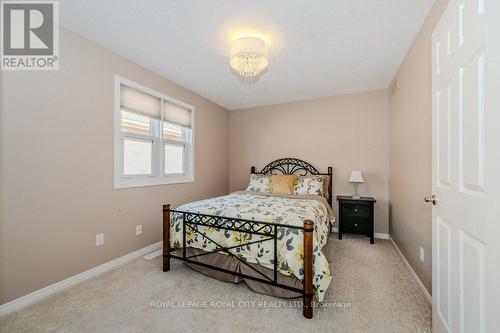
(356, 216)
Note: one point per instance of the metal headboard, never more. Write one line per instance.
(294, 166)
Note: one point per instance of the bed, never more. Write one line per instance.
(271, 241)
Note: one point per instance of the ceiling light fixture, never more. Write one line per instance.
(249, 59)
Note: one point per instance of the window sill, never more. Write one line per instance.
(143, 182)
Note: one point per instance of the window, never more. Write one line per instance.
(153, 137)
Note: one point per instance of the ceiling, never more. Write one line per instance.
(317, 48)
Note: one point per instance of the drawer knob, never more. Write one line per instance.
(355, 224)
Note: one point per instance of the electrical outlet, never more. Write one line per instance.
(99, 239)
(138, 230)
(421, 254)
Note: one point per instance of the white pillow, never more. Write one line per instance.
(259, 183)
(309, 185)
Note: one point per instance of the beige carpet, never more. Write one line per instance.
(372, 291)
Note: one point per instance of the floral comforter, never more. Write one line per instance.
(264, 207)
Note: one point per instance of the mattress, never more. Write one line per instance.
(264, 207)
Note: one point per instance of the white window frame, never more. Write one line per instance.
(158, 176)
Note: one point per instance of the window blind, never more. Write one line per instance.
(176, 114)
(136, 101)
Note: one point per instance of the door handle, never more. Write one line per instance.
(432, 199)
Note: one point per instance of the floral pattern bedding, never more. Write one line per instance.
(290, 210)
(309, 185)
(259, 183)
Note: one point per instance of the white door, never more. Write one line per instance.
(466, 168)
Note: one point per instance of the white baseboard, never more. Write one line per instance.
(38, 295)
(378, 235)
(381, 235)
(153, 255)
(420, 284)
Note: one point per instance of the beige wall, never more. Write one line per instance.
(410, 151)
(56, 168)
(347, 132)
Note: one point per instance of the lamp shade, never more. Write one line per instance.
(356, 177)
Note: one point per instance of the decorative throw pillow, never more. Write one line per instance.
(326, 182)
(310, 185)
(282, 184)
(259, 183)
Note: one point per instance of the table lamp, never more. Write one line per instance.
(356, 179)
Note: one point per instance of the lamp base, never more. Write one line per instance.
(356, 196)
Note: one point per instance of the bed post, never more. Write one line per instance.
(252, 169)
(308, 268)
(166, 237)
(330, 175)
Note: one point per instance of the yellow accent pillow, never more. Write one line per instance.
(282, 184)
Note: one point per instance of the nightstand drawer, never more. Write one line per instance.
(356, 225)
(353, 209)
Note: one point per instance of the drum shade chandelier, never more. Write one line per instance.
(249, 59)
